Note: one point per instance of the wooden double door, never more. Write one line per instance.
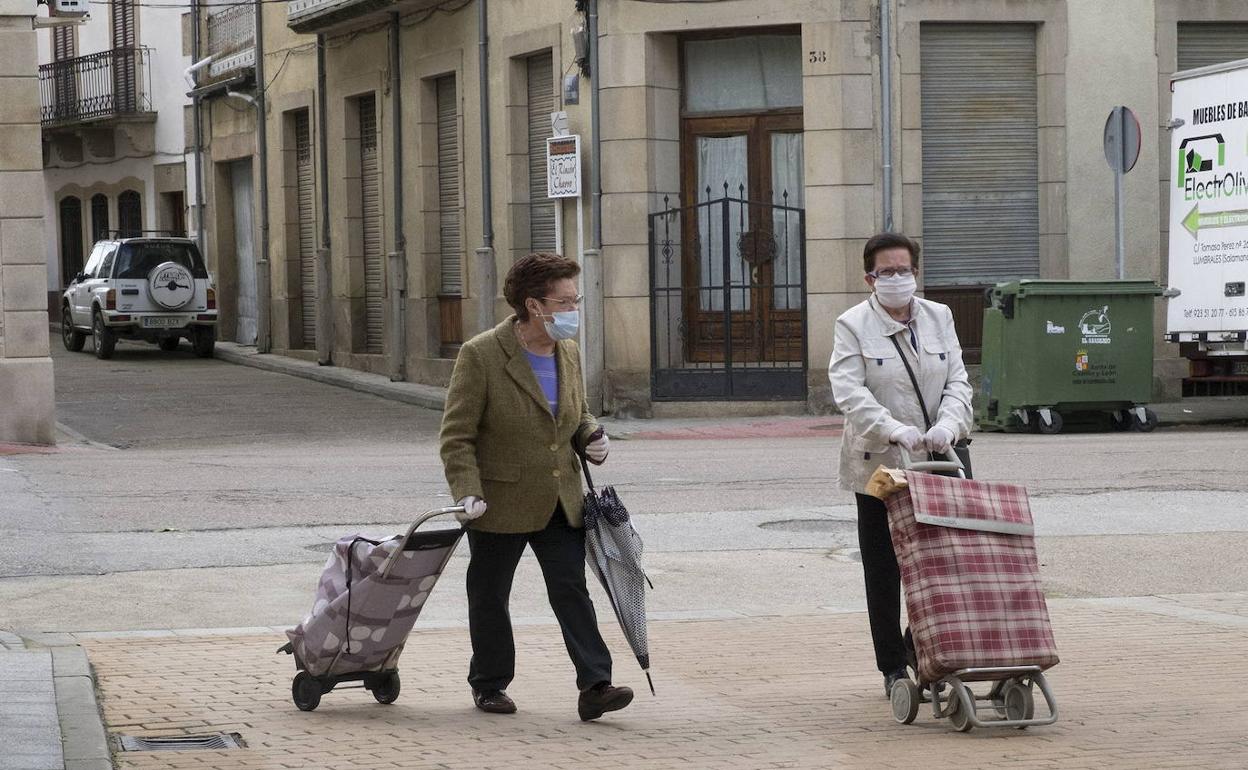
(743, 236)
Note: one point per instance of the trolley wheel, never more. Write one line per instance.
(1019, 702)
(905, 699)
(306, 691)
(1050, 428)
(959, 717)
(386, 687)
(1150, 421)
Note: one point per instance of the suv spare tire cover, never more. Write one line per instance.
(171, 285)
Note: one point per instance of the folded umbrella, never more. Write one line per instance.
(613, 551)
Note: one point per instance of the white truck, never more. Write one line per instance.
(1208, 309)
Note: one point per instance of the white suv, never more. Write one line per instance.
(151, 289)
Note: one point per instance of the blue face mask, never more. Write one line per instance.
(565, 324)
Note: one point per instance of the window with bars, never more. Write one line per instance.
(130, 214)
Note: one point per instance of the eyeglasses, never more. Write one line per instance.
(568, 303)
(889, 272)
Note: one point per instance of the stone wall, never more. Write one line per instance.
(26, 396)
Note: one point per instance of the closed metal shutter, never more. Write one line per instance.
(450, 242)
(66, 91)
(541, 104)
(981, 213)
(124, 40)
(1205, 44)
(370, 197)
(305, 194)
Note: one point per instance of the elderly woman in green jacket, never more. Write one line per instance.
(514, 409)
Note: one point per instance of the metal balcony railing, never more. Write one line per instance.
(232, 39)
(307, 16)
(94, 87)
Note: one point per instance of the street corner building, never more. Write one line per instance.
(362, 173)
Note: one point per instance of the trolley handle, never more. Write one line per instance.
(951, 465)
(420, 520)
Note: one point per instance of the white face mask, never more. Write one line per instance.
(895, 292)
(560, 325)
(565, 325)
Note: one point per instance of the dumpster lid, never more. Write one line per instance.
(968, 504)
(1037, 287)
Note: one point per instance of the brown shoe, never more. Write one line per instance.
(493, 701)
(602, 698)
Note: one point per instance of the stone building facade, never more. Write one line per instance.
(27, 406)
(741, 151)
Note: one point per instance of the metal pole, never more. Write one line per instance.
(1120, 203)
(324, 295)
(263, 279)
(398, 267)
(486, 280)
(591, 259)
(199, 136)
(595, 130)
(886, 109)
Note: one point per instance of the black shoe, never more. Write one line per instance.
(493, 701)
(602, 698)
(889, 679)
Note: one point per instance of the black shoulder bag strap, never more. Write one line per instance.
(960, 448)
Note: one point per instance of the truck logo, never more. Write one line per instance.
(1081, 361)
(1198, 157)
(1052, 328)
(1095, 326)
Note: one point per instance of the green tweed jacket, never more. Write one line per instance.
(501, 443)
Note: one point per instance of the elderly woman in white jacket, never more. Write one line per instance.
(882, 414)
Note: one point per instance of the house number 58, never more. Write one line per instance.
(818, 56)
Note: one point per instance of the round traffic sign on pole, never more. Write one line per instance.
(1122, 139)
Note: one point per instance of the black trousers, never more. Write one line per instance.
(883, 579)
(560, 550)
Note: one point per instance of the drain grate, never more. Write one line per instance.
(183, 742)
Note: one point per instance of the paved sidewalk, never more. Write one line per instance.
(49, 719)
(1143, 683)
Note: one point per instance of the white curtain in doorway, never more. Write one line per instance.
(722, 159)
(752, 72)
(787, 177)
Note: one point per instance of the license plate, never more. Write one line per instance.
(162, 322)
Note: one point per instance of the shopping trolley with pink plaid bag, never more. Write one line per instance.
(967, 554)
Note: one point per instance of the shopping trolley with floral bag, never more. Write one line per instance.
(967, 555)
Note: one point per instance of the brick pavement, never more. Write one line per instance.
(1136, 689)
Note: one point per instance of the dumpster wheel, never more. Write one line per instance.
(1053, 426)
(1147, 424)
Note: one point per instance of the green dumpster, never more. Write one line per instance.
(1060, 353)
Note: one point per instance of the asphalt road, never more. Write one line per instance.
(211, 491)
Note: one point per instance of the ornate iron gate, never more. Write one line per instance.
(728, 300)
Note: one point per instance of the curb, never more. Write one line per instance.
(427, 396)
(83, 737)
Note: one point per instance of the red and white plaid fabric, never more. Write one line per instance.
(973, 596)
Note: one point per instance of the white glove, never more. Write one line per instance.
(938, 439)
(597, 449)
(474, 508)
(907, 436)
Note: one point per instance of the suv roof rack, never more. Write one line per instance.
(117, 235)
